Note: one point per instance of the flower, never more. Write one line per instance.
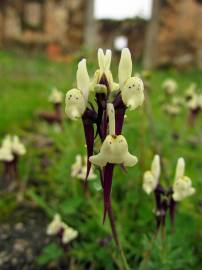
(79, 168)
(190, 91)
(56, 96)
(14, 145)
(18, 148)
(182, 186)
(114, 148)
(195, 102)
(151, 178)
(103, 79)
(68, 235)
(77, 98)
(55, 226)
(6, 154)
(132, 88)
(170, 86)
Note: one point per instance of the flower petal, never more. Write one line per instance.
(83, 80)
(125, 67)
(180, 168)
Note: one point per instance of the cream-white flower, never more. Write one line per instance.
(195, 102)
(79, 168)
(182, 186)
(6, 154)
(191, 90)
(68, 235)
(76, 99)
(114, 148)
(103, 78)
(55, 226)
(14, 144)
(18, 147)
(132, 88)
(56, 96)
(170, 86)
(151, 178)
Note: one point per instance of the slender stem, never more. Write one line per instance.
(116, 238)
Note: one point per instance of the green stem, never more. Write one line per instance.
(116, 238)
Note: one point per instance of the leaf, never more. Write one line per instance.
(52, 252)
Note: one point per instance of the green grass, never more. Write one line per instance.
(25, 83)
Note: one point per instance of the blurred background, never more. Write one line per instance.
(41, 42)
(160, 32)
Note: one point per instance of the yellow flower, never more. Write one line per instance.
(151, 178)
(76, 99)
(114, 148)
(182, 186)
(132, 88)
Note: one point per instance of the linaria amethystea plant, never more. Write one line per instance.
(103, 117)
(167, 198)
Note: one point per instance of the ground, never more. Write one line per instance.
(45, 185)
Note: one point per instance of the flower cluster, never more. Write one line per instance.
(101, 104)
(167, 199)
(11, 148)
(58, 227)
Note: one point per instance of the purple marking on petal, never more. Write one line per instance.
(108, 174)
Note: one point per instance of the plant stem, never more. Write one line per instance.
(116, 238)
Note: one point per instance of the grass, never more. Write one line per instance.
(25, 83)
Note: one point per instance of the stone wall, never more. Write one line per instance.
(180, 37)
(43, 22)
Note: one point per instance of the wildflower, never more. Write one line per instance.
(76, 99)
(170, 86)
(56, 96)
(58, 227)
(68, 235)
(14, 144)
(182, 186)
(190, 91)
(114, 148)
(6, 154)
(132, 88)
(103, 80)
(55, 226)
(151, 178)
(194, 103)
(79, 168)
